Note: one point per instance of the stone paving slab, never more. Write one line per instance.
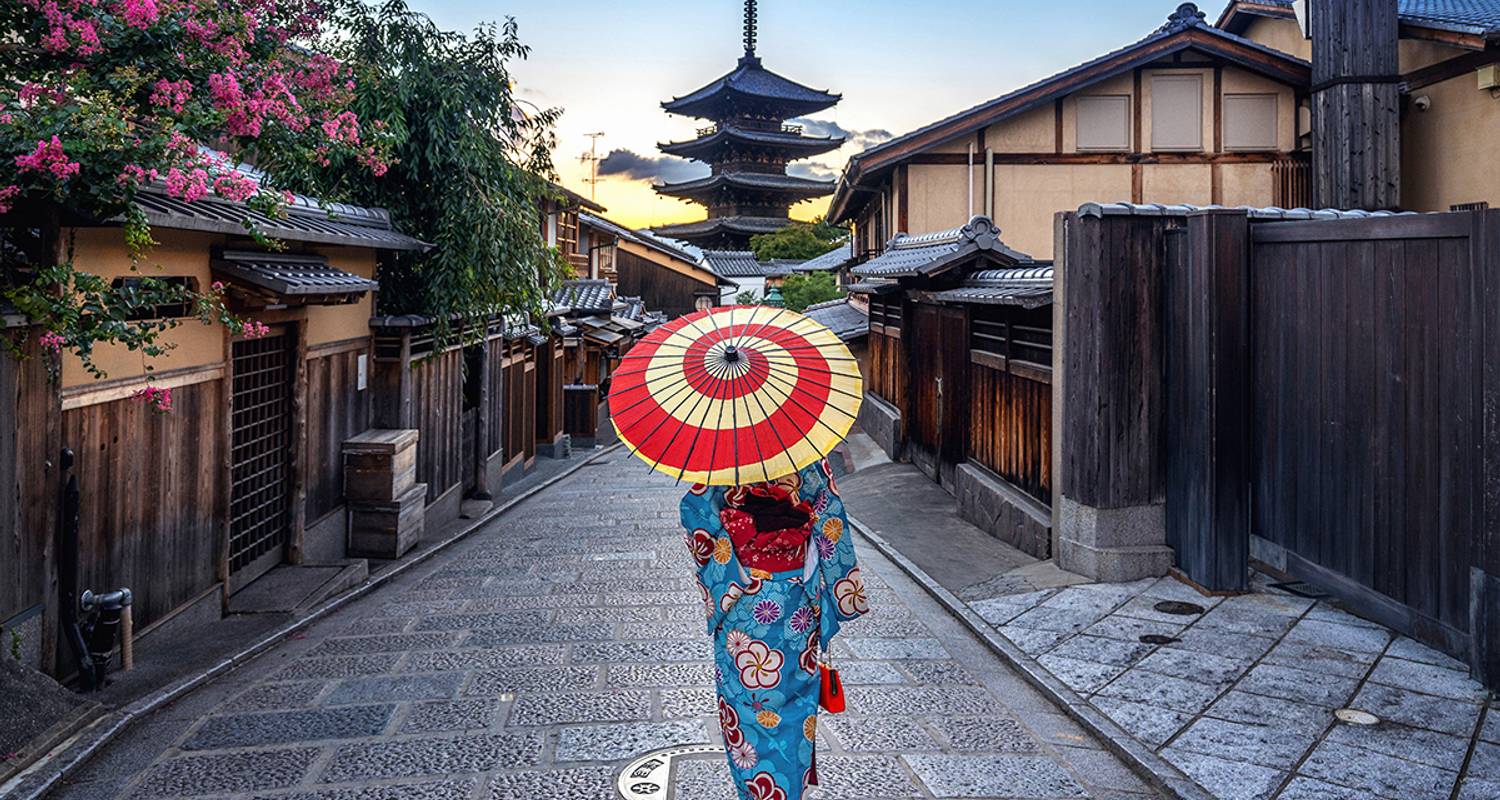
(536, 657)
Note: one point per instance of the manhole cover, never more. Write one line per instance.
(1354, 716)
(1178, 608)
(1157, 638)
(650, 776)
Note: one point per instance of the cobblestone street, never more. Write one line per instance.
(535, 658)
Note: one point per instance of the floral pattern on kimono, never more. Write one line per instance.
(768, 630)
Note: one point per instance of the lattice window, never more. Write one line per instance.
(261, 442)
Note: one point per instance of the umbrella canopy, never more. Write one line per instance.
(736, 395)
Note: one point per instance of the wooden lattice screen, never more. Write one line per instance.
(260, 467)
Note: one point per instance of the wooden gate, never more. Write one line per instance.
(260, 459)
(938, 390)
(1367, 464)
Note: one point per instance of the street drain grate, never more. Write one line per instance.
(1178, 608)
(1354, 716)
(1157, 638)
(1301, 590)
(649, 777)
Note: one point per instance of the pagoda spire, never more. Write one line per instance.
(750, 25)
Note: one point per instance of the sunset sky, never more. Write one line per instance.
(899, 65)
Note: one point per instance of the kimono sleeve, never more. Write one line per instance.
(841, 589)
(712, 551)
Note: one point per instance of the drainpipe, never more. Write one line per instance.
(67, 578)
(989, 182)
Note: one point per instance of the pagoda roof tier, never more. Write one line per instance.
(715, 140)
(723, 228)
(758, 182)
(752, 87)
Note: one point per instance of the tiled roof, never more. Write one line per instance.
(586, 296)
(829, 261)
(342, 225)
(747, 180)
(734, 263)
(800, 143)
(291, 275)
(1463, 16)
(1028, 287)
(840, 316)
(933, 253)
(749, 80)
(876, 286)
(1269, 213)
(750, 225)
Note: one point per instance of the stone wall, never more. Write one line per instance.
(881, 421)
(1003, 511)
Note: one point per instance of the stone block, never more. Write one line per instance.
(1113, 545)
(881, 421)
(1003, 511)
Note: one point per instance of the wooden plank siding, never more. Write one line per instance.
(336, 411)
(887, 373)
(662, 289)
(1010, 424)
(152, 496)
(437, 399)
(30, 440)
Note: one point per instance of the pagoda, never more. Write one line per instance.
(747, 146)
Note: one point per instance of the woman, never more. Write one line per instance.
(778, 575)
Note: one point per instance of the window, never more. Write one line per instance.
(1177, 112)
(1250, 121)
(1104, 122)
(139, 291)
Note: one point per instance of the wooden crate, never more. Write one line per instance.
(380, 465)
(387, 530)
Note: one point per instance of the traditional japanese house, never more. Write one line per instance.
(747, 146)
(959, 372)
(1190, 113)
(562, 227)
(752, 276)
(849, 319)
(244, 472)
(1439, 71)
(668, 278)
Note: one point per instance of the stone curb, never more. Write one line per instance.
(1146, 763)
(66, 758)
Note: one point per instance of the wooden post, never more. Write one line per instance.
(1484, 574)
(296, 544)
(1356, 104)
(1208, 452)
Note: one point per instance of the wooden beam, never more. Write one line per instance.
(296, 545)
(1050, 158)
(1136, 103)
(1057, 126)
(1448, 70)
(122, 388)
(905, 186)
(1218, 110)
(1137, 184)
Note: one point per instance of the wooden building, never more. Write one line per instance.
(562, 227)
(244, 473)
(1189, 114)
(669, 279)
(959, 373)
(1440, 111)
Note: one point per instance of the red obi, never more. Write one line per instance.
(769, 526)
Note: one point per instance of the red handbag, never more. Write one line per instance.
(831, 696)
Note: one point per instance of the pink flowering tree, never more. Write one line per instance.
(99, 98)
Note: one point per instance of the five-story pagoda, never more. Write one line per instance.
(747, 147)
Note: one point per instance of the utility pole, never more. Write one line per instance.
(592, 159)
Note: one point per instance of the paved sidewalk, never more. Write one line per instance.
(536, 657)
(1238, 693)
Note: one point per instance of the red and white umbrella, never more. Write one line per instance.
(735, 395)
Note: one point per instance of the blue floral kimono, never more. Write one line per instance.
(767, 630)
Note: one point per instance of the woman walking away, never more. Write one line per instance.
(778, 575)
(745, 402)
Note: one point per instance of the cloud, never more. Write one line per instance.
(633, 166)
(860, 139)
(820, 172)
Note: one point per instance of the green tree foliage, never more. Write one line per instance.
(810, 288)
(799, 241)
(467, 165)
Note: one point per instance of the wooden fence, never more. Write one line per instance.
(1329, 404)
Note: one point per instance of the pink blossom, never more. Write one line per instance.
(51, 341)
(8, 196)
(187, 185)
(256, 330)
(172, 95)
(236, 187)
(160, 400)
(48, 157)
(135, 175)
(217, 286)
(138, 13)
(342, 128)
